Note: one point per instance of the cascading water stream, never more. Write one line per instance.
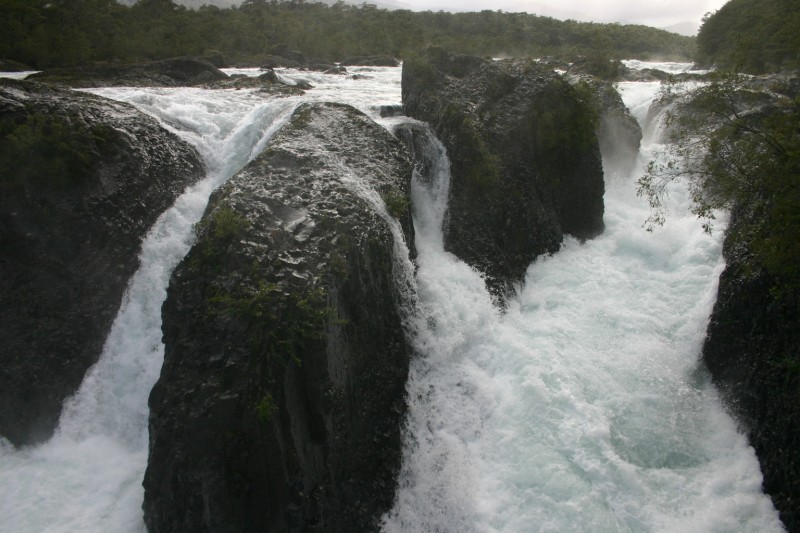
(88, 476)
(584, 407)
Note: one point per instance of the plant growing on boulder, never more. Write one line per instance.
(51, 150)
(279, 321)
(397, 203)
(738, 146)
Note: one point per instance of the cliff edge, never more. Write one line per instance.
(280, 401)
(83, 179)
(525, 161)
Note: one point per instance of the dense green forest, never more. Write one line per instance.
(754, 36)
(47, 33)
(745, 147)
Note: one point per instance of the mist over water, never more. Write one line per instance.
(582, 408)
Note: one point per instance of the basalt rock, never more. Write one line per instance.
(82, 178)
(283, 50)
(281, 396)
(618, 132)
(371, 61)
(752, 350)
(271, 62)
(9, 65)
(268, 82)
(525, 161)
(174, 72)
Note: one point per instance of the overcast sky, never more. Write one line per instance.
(658, 13)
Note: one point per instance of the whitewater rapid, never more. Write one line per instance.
(88, 476)
(582, 408)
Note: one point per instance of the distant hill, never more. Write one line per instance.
(224, 4)
(684, 28)
(543, 10)
(194, 4)
(59, 34)
(753, 36)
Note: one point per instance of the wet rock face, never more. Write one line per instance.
(82, 179)
(526, 165)
(751, 350)
(174, 72)
(371, 61)
(280, 400)
(618, 132)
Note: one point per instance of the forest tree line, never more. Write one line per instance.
(753, 36)
(740, 135)
(48, 33)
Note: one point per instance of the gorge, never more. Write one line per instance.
(392, 375)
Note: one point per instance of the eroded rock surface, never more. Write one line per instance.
(526, 165)
(752, 349)
(282, 392)
(618, 132)
(82, 178)
(174, 72)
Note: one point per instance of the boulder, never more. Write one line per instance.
(175, 72)
(268, 82)
(83, 179)
(9, 65)
(752, 350)
(371, 61)
(271, 61)
(526, 165)
(391, 110)
(618, 132)
(216, 58)
(283, 50)
(282, 392)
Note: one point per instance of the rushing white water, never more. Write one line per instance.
(584, 407)
(580, 409)
(18, 75)
(88, 476)
(664, 66)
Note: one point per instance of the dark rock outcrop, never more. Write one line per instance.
(284, 51)
(215, 58)
(391, 110)
(526, 164)
(9, 65)
(752, 350)
(599, 67)
(618, 132)
(174, 72)
(282, 56)
(270, 62)
(82, 179)
(282, 391)
(371, 61)
(268, 82)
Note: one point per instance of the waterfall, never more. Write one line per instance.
(581, 408)
(585, 406)
(88, 477)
